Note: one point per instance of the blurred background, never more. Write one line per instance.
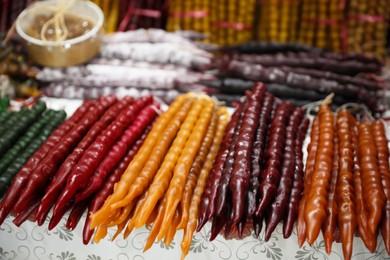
(339, 45)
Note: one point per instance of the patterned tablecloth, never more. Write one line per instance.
(30, 241)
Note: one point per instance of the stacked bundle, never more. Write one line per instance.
(189, 15)
(258, 172)
(123, 15)
(192, 164)
(78, 158)
(367, 27)
(321, 24)
(226, 22)
(233, 25)
(127, 167)
(347, 181)
(163, 184)
(111, 12)
(21, 134)
(303, 77)
(278, 20)
(133, 63)
(143, 14)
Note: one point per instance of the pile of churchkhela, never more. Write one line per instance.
(260, 125)
(129, 162)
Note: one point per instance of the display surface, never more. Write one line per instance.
(33, 242)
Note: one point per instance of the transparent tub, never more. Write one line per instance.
(83, 21)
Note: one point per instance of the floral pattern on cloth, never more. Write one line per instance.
(29, 242)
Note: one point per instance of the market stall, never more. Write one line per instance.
(196, 142)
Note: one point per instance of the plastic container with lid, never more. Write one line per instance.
(83, 22)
